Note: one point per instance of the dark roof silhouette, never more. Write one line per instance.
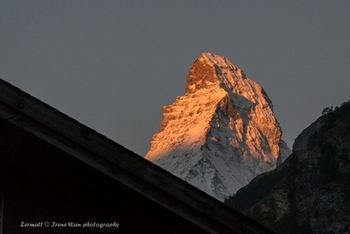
(47, 128)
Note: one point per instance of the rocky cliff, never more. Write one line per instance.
(310, 191)
(221, 133)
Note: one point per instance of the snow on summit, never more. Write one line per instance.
(221, 133)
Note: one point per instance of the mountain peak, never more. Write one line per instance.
(221, 133)
(203, 73)
(217, 60)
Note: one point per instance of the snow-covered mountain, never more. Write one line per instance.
(221, 133)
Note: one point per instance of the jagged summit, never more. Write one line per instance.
(221, 133)
(201, 74)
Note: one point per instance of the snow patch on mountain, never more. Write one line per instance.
(221, 133)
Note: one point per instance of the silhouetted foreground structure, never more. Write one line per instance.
(59, 176)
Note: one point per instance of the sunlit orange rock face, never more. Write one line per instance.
(221, 133)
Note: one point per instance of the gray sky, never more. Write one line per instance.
(112, 65)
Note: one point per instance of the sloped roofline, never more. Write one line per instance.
(121, 164)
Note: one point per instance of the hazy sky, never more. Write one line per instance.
(112, 65)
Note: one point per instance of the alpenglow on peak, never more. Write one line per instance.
(221, 133)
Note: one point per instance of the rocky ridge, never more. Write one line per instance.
(309, 192)
(221, 133)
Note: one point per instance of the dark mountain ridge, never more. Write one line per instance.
(310, 191)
